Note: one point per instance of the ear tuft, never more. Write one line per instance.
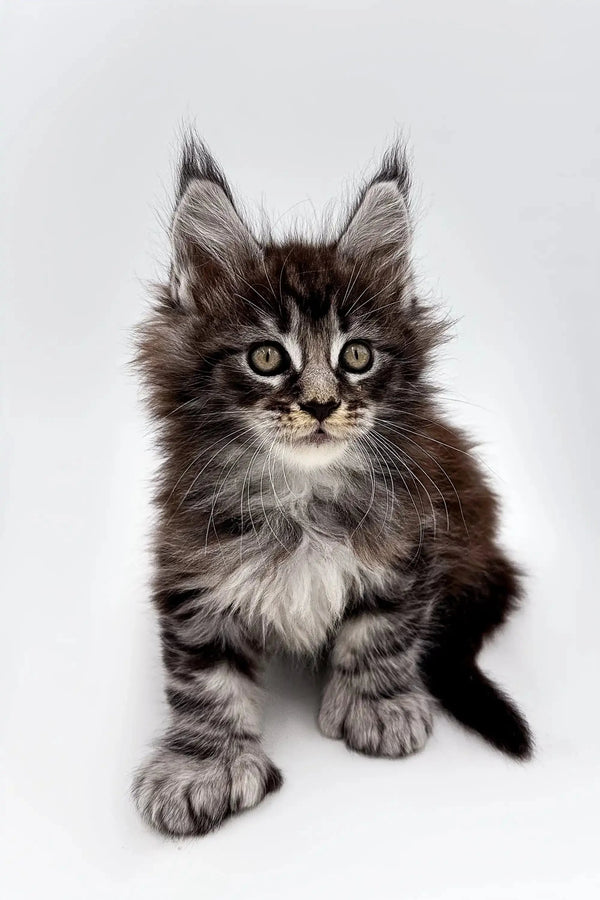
(197, 164)
(395, 167)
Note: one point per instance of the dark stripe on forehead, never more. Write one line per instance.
(311, 294)
(284, 319)
(269, 304)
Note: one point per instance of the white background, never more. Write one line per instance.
(500, 104)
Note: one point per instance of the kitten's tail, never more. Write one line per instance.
(472, 698)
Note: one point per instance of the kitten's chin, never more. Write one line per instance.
(314, 454)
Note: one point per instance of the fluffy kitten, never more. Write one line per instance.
(312, 499)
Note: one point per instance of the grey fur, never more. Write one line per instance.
(364, 539)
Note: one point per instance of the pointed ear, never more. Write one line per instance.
(210, 240)
(379, 229)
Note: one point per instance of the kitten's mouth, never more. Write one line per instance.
(321, 438)
(318, 448)
(318, 437)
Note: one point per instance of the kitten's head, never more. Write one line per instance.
(296, 348)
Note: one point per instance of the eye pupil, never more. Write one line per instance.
(268, 359)
(356, 356)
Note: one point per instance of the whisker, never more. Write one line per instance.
(368, 300)
(198, 457)
(250, 464)
(281, 276)
(404, 430)
(389, 511)
(420, 514)
(438, 464)
(258, 294)
(220, 485)
(183, 405)
(373, 491)
(349, 283)
(262, 501)
(204, 467)
(273, 488)
(398, 450)
(250, 303)
(429, 478)
(268, 279)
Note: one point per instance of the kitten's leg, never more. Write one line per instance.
(374, 697)
(209, 763)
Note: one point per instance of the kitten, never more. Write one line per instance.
(312, 500)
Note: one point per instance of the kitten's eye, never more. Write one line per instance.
(356, 356)
(268, 359)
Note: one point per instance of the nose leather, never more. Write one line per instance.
(320, 410)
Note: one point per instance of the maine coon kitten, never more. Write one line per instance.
(312, 499)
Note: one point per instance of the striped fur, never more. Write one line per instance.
(321, 510)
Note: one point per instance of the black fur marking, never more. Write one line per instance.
(171, 602)
(185, 659)
(196, 745)
(480, 705)
(196, 162)
(463, 622)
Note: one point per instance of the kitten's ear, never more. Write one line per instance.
(210, 240)
(379, 229)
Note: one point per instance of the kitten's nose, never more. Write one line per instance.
(320, 410)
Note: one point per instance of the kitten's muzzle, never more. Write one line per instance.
(320, 411)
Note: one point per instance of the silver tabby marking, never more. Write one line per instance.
(312, 499)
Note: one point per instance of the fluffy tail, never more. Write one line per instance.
(467, 694)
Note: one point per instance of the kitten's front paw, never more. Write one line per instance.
(182, 795)
(392, 727)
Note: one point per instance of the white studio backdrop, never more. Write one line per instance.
(499, 103)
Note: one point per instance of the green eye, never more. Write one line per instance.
(268, 359)
(356, 356)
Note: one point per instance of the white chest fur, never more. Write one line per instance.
(295, 597)
(298, 596)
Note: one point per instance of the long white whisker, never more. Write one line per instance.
(392, 457)
(250, 464)
(349, 283)
(436, 461)
(250, 303)
(281, 276)
(219, 487)
(388, 512)
(373, 491)
(205, 466)
(198, 457)
(257, 292)
(397, 450)
(273, 488)
(262, 500)
(355, 309)
(268, 279)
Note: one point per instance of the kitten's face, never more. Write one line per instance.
(307, 375)
(301, 362)
(296, 350)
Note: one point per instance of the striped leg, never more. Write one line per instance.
(209, 763)
(374, 698)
